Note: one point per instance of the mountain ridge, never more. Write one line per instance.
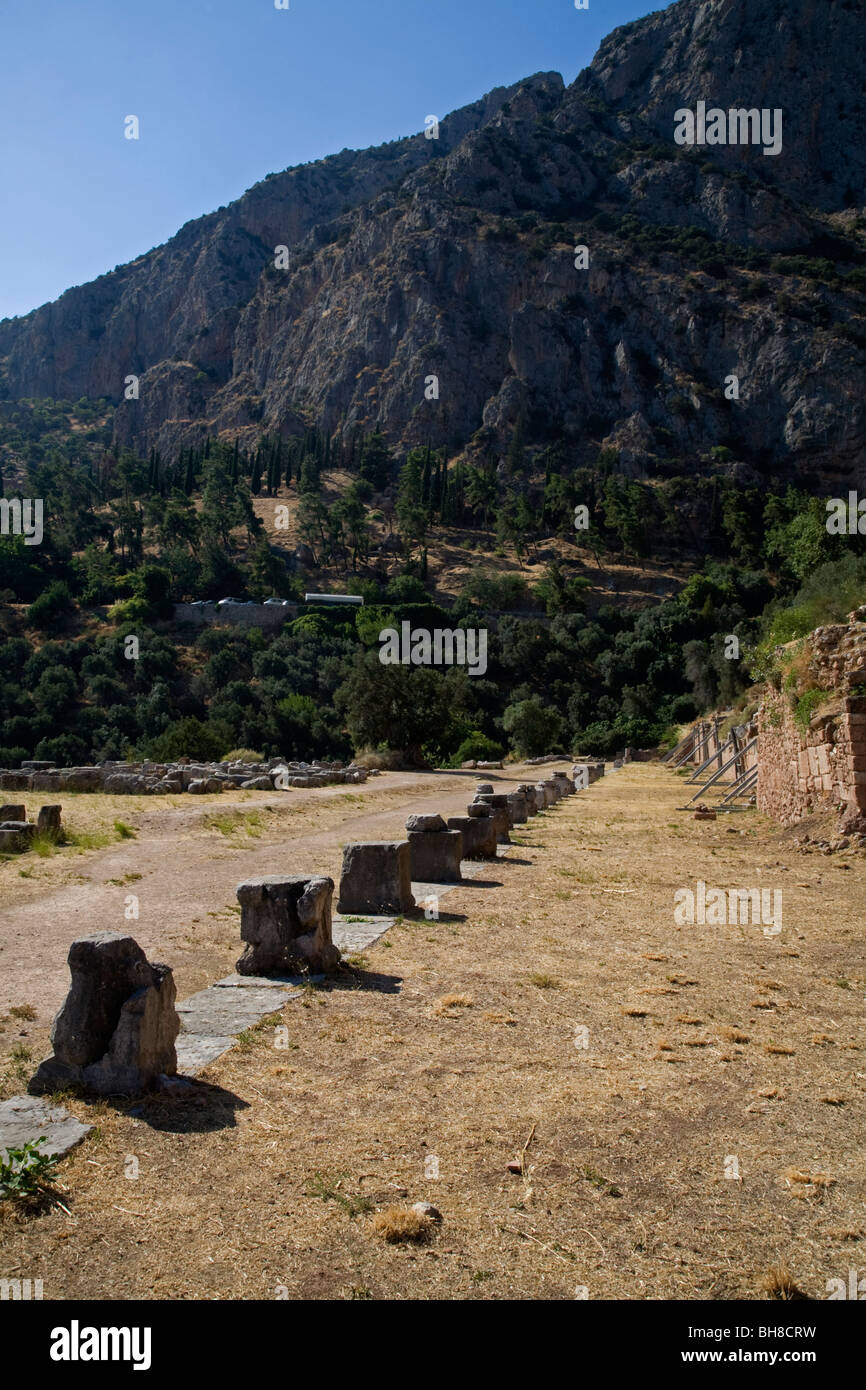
(454, 259)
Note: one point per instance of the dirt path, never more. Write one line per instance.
(183, 870)
(694, 1094)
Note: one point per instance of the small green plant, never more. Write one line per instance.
(26, 1172)
(806, 707)
(328, 1189)
(124, 831)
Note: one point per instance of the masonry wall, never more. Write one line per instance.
(243, 615)
(823, 769)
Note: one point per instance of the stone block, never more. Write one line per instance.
(478, 834)
(517, 805)
(286, 923)
(429, 823)
(434, 856)
(16, 836)
(530, 796)
(116, 1031)
(14, 811)
(376, 878)
(48, 822)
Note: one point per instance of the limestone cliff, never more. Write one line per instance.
(455, 259)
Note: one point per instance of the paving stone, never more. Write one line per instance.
(195, 1051)
(25, 1118)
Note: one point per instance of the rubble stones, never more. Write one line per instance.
(155, 779)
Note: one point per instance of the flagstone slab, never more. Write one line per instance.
(26, 1118)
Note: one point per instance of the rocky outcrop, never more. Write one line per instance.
(455, 258)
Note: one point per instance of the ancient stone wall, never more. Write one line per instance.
(245, 615)
(823, 768)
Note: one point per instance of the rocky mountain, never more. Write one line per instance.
(432, 287)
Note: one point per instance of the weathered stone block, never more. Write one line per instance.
(15, 781)
(13, 811)
(530, 796)
(376, 878)
(434, 856)
(117, 1028)
(286, 923)
(48, 822)
(545, 795)
(429, 823)
(478, 833)
(517, 806)
(16, 836)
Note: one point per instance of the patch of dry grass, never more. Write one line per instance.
(401, 1225)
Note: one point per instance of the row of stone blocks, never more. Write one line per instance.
(116, 1032)
(117, 1029)
(17, 833)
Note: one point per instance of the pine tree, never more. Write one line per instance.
(256, 478)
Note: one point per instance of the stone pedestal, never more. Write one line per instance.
(286, 923)
(434, 855)
(116, 1031)
(376, 878)
(530, 796)
(517, 805)
(544, 794)
(478, 835)
(500, 813)
(48, 822)
(15, 836)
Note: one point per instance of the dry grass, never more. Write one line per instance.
(274, 1168)
(401, 1225)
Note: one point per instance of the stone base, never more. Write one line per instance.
(434, 856)
(478, 834)
(376, 878)
(116, 1031)
(286, 923)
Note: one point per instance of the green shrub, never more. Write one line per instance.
(479, 747)
(129, 610)
(51, 608)
(805, 708)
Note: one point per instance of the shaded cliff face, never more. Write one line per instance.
(804, 57)
(454, 259)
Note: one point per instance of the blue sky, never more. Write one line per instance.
(227, 91)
